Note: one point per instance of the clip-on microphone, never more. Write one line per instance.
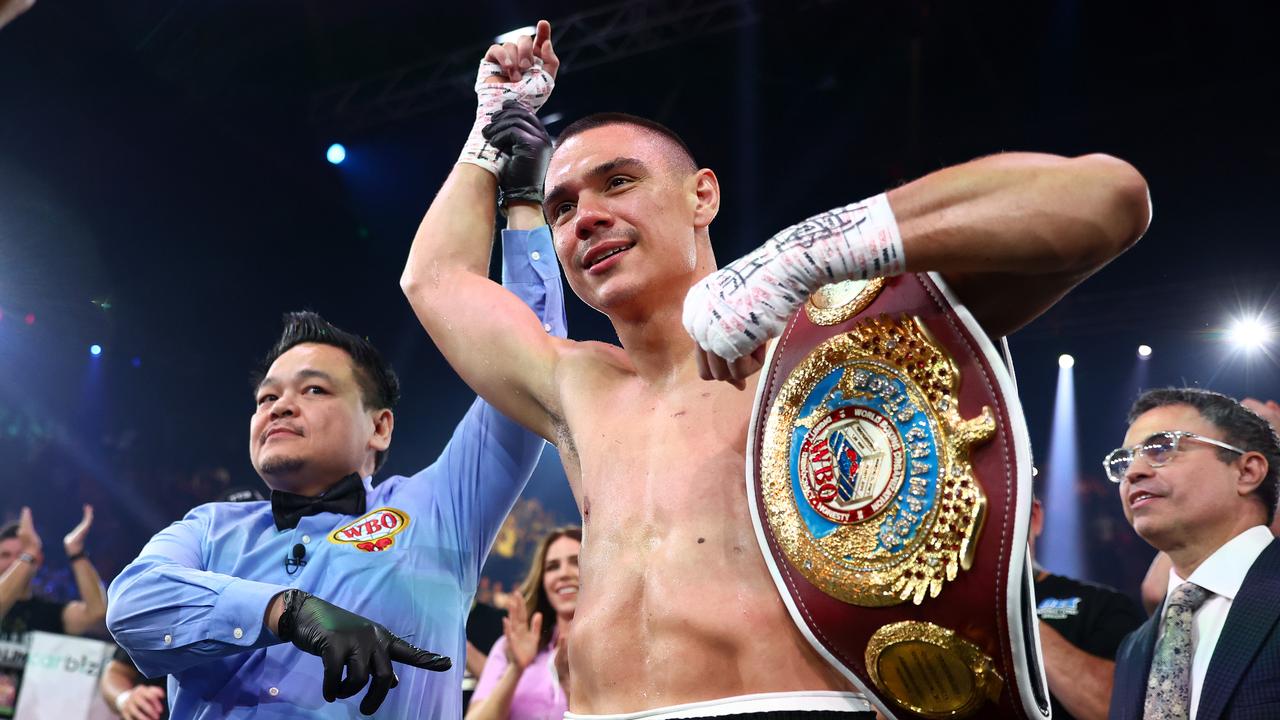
(291, 564)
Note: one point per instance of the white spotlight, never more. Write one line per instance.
(1066, 361)
(1249, 333)
(336, 153)
(514, 35)
(1144, 351)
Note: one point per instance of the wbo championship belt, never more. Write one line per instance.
(890, 488)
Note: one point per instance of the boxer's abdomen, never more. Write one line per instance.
(677, 605)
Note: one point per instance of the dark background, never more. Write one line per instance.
(164, 193)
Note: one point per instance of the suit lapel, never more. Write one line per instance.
(1253, 613)
(1133, 664)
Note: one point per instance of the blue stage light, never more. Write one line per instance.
(1061, 546)
(95, 350)
(336, 153)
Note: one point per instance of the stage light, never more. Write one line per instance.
(136, 362)
(1249, 333)
(1062, 544)
(336, 153)
(30, 319)
(1144, 351)
(95, 350)
(514, 35)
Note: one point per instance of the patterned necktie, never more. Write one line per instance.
(1169, 684)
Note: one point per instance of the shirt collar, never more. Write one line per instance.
(1223, 572)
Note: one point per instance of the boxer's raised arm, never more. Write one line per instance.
(492, 339)
(1012, 233)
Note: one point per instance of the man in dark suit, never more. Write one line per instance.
(1198, 481)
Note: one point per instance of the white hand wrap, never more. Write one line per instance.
(531, 90)
(734, 310)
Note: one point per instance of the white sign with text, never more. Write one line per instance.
(61, 678)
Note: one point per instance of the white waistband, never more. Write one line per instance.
(742, 704)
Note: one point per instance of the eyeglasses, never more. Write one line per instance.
(1157, 450)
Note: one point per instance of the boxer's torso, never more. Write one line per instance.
(676, 604)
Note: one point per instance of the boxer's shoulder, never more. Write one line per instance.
(585, 366)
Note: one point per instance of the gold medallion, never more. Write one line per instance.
(865, 467)
(930, 670)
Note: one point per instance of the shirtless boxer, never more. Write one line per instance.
(676, 604)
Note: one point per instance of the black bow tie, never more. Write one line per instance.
(345, 498)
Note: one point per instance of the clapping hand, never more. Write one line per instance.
(73, 542)
(522, 634)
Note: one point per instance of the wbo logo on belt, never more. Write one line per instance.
(372, 532)
(889, 477)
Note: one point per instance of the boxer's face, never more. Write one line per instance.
(1191, 494)
(623, 215)
(560, 575)
(310, 426)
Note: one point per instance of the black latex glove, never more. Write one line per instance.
(345, 640)
(517, 133)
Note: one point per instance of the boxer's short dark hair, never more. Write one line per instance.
(9, 531)
(1241, 427)
(684, 156)
(379, 386)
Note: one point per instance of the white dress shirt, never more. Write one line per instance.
(1221, 573)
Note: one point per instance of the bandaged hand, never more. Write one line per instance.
(521, 71)
(735, 310)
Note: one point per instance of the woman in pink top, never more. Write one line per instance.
(519, 679)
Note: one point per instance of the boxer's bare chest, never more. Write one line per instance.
(659, 477)
(645, 455)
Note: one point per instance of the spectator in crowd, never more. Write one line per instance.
(22, 610)
(484, 627)
(520, 680)
(21, 554)
(1156, 583)
(130, 695)
(1081, 626)
(1197, 475)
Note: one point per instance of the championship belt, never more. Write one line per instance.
(890, 486)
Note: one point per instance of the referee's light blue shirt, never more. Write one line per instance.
(192, 604)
